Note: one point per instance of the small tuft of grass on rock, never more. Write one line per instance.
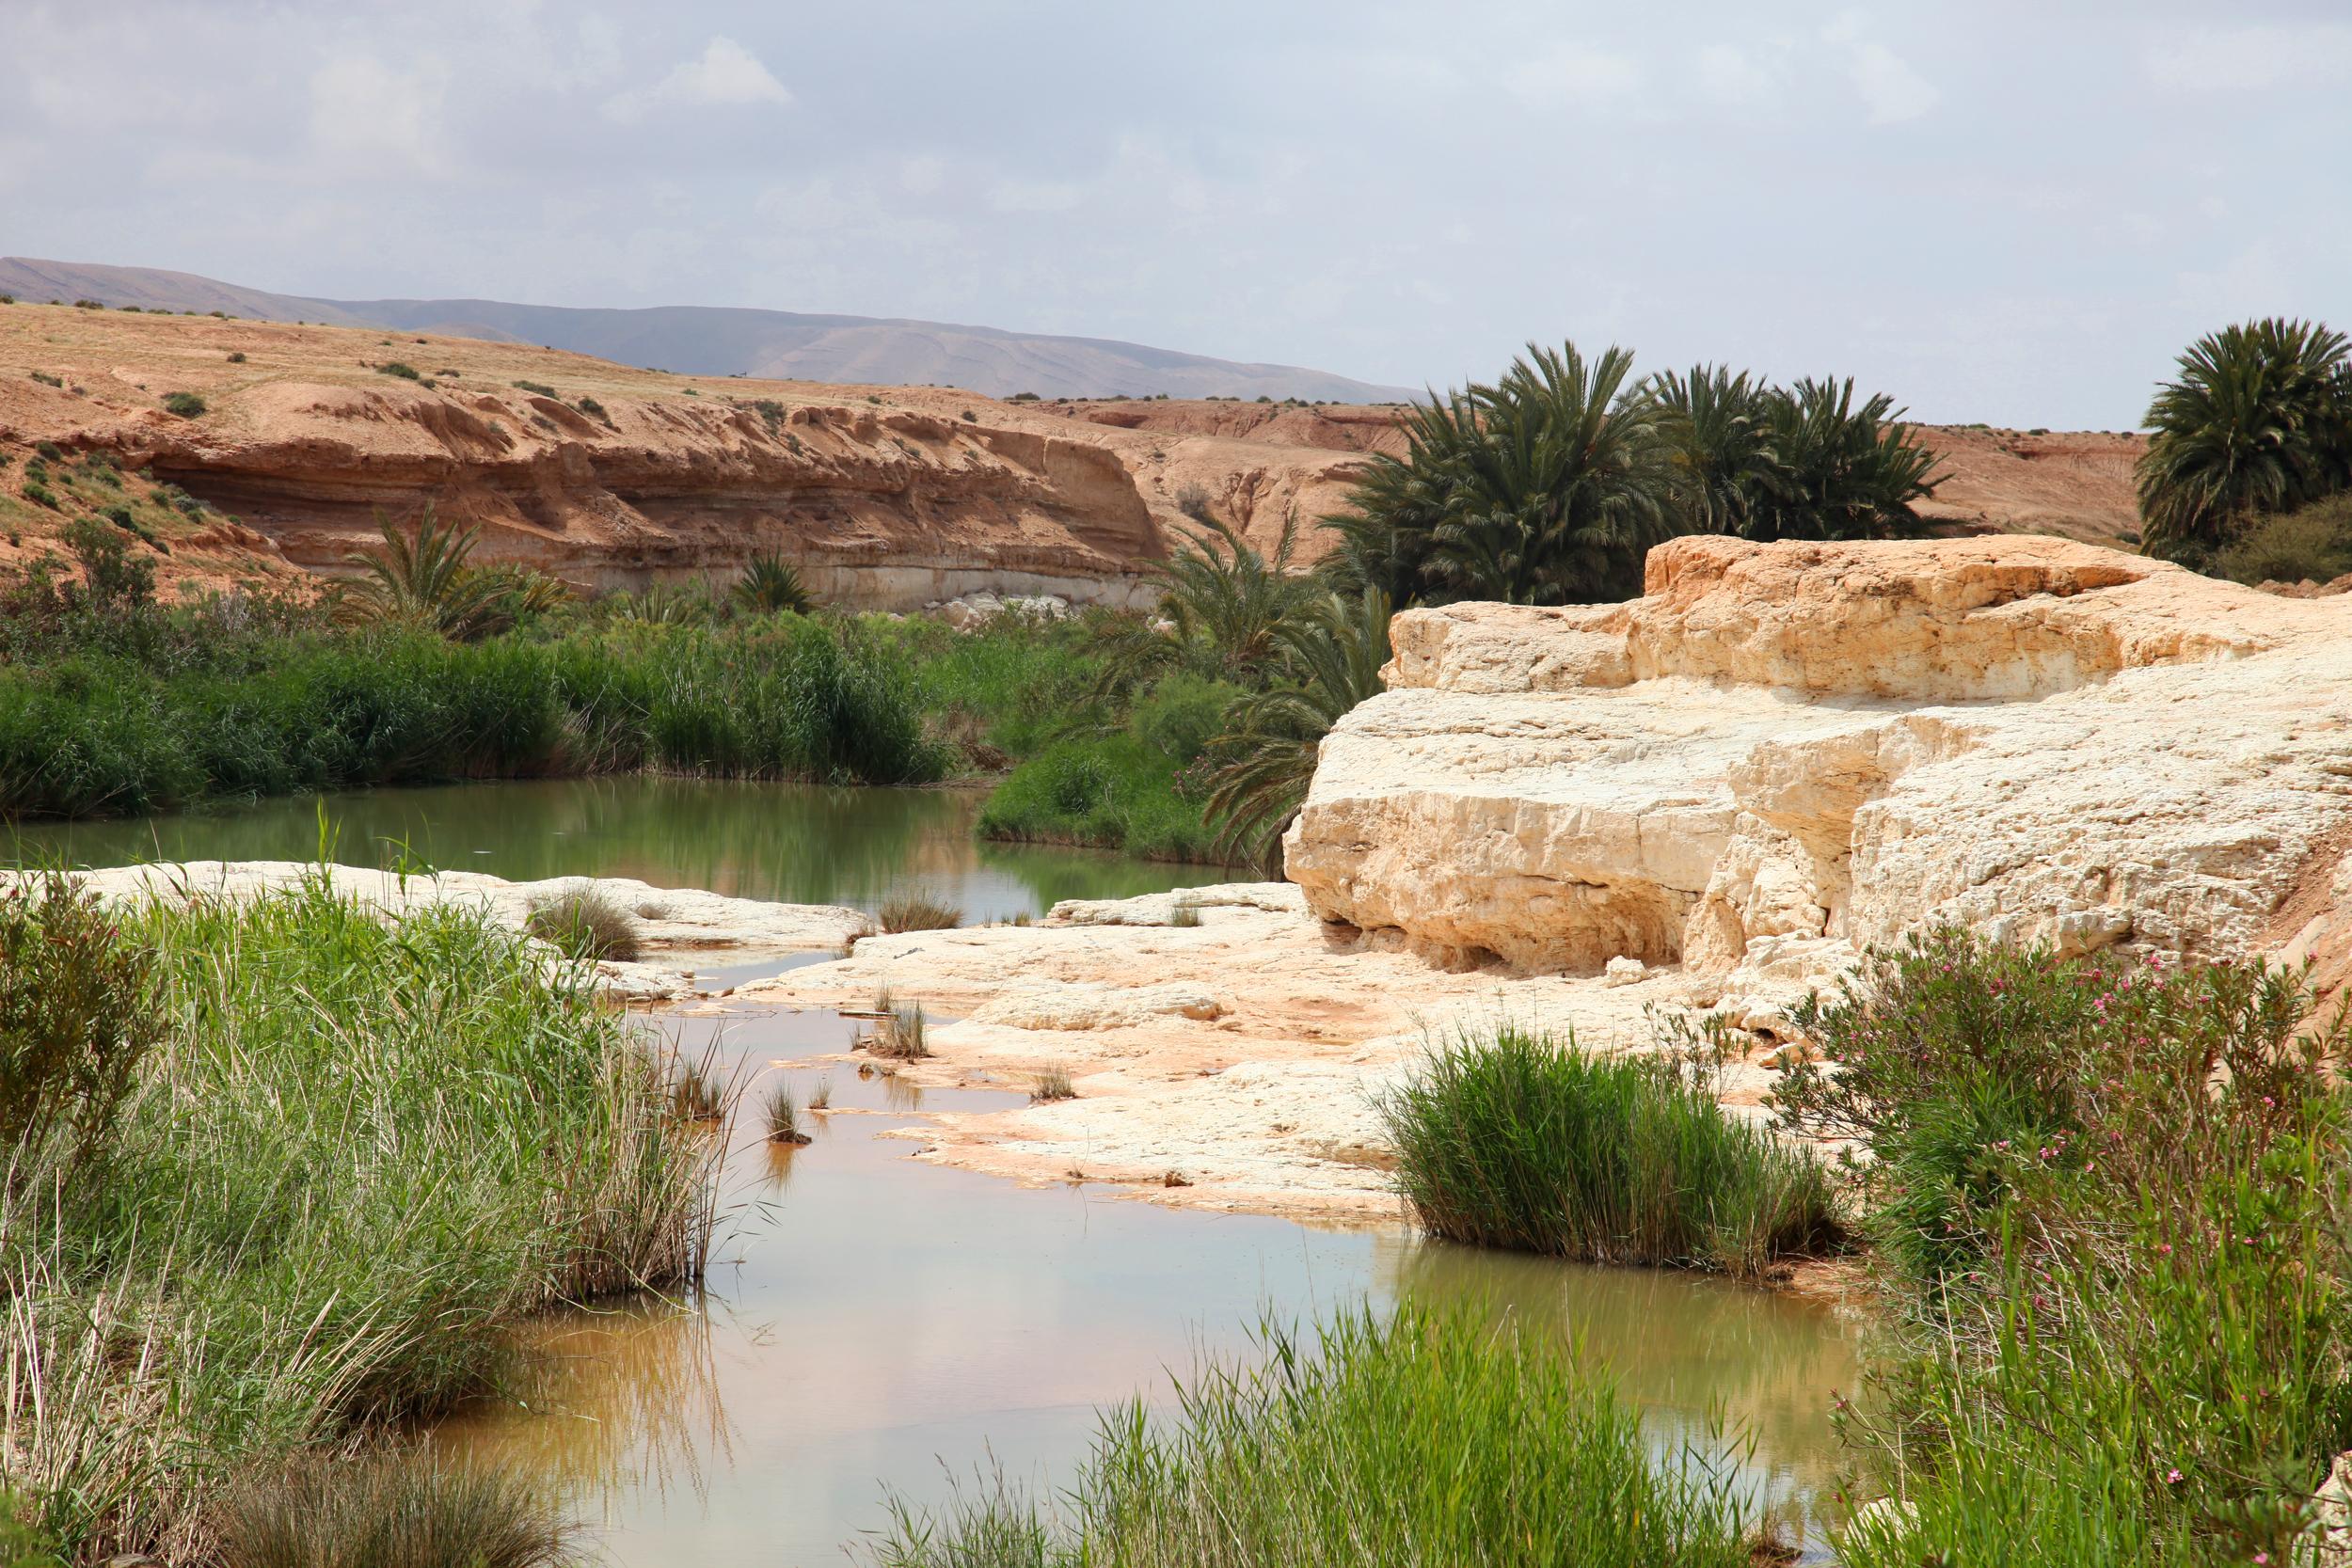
(912, 911)
(1052, 1085)
(584, 923)
(899, 1037)
(782, 1115)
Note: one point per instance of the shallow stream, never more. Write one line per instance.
(878, 1323)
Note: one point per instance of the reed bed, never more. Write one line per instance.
(1421, 1441)
(348, 1158)
(1525, 1142)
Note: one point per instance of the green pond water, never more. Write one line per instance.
(874, 1323)
(793, 843)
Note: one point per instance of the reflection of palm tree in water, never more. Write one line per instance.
(1682, 1346)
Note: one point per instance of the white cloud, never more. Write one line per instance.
(2247, 59)
(365, 115)
(1575, 74)
(726, 75)
(1730, 75)
(1890, 89)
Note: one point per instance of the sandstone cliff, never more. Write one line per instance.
(1781, 753)
(888, 496)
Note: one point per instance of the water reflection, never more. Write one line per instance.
(790, 843)
(879, 1322)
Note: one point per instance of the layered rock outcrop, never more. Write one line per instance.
(1783, 753)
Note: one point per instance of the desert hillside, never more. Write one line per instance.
(713, 340)
(606, 475)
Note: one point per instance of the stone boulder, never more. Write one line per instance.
(1783, 753)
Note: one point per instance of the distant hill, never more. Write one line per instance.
(713, 341)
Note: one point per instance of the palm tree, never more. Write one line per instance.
(428, 580)
(1545, 487)
(1566, 490)
(422, 580)
(1223, 604)
(771, 583)
(1841, 472)
(1718, 433)
(1332, 652)
(2259, 420)
(1385, 535)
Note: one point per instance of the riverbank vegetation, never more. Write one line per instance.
(2108, 1197)
(1417, 1438)
(1516, 1140)
(280, 1178)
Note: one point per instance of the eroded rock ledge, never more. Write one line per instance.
(1783, 753)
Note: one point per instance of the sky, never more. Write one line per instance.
(2014, 212)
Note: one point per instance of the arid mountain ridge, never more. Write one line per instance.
(710, 341)
(889, 497)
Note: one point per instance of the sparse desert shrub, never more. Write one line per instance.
(238, 358)
(915, 911)
(1525, 1142)
(594, 409)
(395, 1511)
(1052, 1085)
(40, 495)
(89, 305)
(1421, 1439)
(1192, 499)
(405, 372)
(2310, 544)
(583, 922)
(185, 405)
(48, 380)
(537, 389)
(49, 450)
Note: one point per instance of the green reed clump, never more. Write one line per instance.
(1424, 1439)
(352, 1158)
(1113, 791)
(393, 1511)
(2111, 1195)
(1526, 1141)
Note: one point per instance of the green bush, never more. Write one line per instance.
(1110, 791)
(1182, 714)
(77, 1018)
(1422, 1439)
(537, 389)
(2312, 544)
(2125, 1274)
(1528, 1143)
(38, 494)
(186, 404)
(403, 372)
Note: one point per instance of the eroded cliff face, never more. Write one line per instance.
(604, 475)
(1783, 753)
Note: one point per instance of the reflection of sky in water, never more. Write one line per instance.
(788, 843)
(874, 1320)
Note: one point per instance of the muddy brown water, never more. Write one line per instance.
(877, 1324)
(874, 1323)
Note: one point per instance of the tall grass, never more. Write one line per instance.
(353, 1158)
(122, 718)
(1418, 1442)
(2111, 1197)
(1525, 1142)
(392, 1512)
